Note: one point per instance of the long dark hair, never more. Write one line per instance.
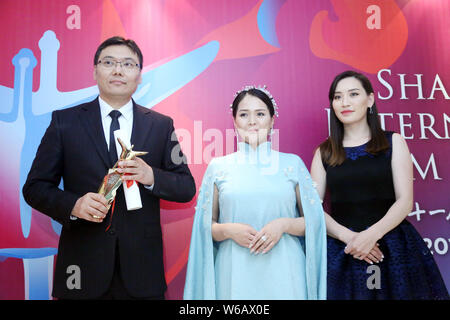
(332, 150)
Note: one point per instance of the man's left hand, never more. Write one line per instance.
(138, 170)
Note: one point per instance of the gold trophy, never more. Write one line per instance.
(113, 179)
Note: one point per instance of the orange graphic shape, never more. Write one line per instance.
(240, 38)
(111, 23)
(350, 40)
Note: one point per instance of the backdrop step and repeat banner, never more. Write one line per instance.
(197, 54)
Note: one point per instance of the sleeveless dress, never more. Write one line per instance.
(256, 187)
(361, 192)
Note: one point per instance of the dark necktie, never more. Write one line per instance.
(112, 142)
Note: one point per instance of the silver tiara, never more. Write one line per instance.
(263, 89)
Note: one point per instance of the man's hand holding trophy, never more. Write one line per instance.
(113, 179)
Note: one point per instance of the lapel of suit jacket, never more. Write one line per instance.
(91, 119)
(142, 125)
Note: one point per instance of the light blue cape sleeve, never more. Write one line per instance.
(315, 241)
(200, 275)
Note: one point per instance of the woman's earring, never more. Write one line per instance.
(370, 110)
(269, 138)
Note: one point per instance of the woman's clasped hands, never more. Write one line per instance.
(363, 246)
(258, 241)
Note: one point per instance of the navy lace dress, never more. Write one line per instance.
(362, 191)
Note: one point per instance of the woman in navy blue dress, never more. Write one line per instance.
(373, 251)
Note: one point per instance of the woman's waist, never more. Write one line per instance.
(360, 215)
(257, 219)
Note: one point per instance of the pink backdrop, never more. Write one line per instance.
(196, 55)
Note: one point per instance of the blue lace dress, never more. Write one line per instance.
(362, 191)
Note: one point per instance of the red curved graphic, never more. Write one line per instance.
(351, 41)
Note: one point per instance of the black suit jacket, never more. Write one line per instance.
(74, 149)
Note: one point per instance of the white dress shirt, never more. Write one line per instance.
(125, 120)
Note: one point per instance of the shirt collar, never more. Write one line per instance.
(126, 110)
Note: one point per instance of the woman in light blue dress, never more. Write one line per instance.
(259, 230)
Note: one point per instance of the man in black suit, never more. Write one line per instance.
(103, 255)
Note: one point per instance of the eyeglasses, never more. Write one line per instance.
(127, 65)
